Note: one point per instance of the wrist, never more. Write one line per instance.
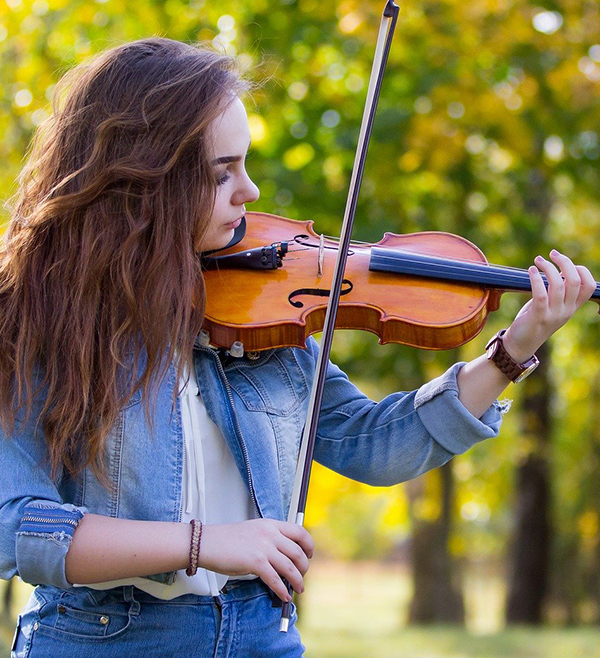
(515, 350)
(209, 555)
(515, 371)
(182, 535)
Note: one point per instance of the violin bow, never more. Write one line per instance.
(307, 444)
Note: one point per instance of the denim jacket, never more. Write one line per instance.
(260, 406)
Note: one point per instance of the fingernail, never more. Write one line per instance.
(539, 258)
(533, 269)
(554, 252)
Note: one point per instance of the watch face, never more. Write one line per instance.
(527, 372)
(492, 348)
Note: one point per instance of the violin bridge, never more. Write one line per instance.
(321, 256)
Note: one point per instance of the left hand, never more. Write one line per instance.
(548, 310)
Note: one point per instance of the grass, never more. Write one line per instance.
(441, 642)
(360, 611)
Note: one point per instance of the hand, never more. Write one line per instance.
(548, 310)
(267, 548)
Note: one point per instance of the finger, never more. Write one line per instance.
(268, 574)
(572, 280)
(295, 553)
(287, 569)
(539, 294)
(588, 285)
(556, 284)
(298, 534)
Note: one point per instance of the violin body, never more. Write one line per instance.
(264, 309)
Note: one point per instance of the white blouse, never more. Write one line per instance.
(213, 491)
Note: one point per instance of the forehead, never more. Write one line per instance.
(229, 132)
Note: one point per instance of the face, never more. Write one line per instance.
(230, 138)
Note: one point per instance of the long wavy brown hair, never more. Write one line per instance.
(98, 269)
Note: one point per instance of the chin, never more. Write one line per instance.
(210, 243)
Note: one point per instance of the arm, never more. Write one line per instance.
(106, 548)
(480, 382)
(46, 540)
(36, 524)
(407, 434)
(400, 437)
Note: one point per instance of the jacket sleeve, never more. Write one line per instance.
(36, 526)
(401, 437)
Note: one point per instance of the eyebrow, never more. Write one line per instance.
(226, 159)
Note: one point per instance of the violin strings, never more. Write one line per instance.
(510, 274)
(509, 269)
(458, 260)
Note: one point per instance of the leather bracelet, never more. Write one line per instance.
(194, 547)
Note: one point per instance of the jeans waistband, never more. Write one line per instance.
(234, 590)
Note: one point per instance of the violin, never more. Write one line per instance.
(430, 290)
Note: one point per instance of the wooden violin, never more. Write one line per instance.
(431, 290)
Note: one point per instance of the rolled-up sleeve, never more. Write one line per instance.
(448, 421)
(403, 435)
(43, 539)
(36, 525)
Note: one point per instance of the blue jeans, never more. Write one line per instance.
(125, 621)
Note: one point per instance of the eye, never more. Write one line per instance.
(223, 179)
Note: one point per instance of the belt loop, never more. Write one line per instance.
(134, 607)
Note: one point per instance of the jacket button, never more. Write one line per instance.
(104, 620)
(61, 608)
(36, 626)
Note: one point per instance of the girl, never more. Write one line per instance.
(146, 479)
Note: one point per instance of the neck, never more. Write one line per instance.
(446, 269)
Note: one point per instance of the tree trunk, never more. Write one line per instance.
(436, 598)
(7, 598)
(529, 567)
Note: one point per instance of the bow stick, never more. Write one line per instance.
(307, 445)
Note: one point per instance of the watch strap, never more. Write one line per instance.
(504, 361)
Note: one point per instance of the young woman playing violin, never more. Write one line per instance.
(120, 428)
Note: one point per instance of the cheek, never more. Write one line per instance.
(219, 206)
(217, 210)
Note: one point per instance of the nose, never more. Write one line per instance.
(248, 191)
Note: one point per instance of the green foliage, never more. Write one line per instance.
(487, 127)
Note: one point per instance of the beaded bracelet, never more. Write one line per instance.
(194, 546)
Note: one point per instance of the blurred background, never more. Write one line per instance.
(488, 126)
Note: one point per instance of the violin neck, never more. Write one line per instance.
(446, 269)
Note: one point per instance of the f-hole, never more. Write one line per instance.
(347, 286)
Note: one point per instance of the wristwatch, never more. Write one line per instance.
(497, 353)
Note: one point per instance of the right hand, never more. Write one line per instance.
(267, 548)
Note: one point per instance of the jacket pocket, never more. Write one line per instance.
(275, 384)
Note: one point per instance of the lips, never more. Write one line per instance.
(234, 224)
